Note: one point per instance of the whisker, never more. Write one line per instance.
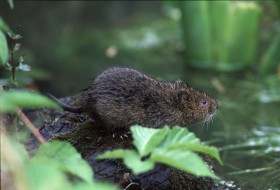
(203, 124)
(208, 121)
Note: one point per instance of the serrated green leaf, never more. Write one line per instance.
(67, 157)
(44, 174)
(212, 151)
(146, 139)
(116, 154)
(185, 160)
(11, 100)
(179, 135)
(4, 52)
(133, 161)
(181, 138)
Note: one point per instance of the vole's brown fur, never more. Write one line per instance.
(121, 97)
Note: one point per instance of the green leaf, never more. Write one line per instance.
(44, 174)
(133, 161)
(67, 157)
(146, 139)
(212, 151)
(11, 3)
(11, 100)
(13, 155)
(176, 151)
(5, 28)
(4, 52)
(117, 154)
(181, 138)
(20, 149)
(270, 58)
(179, 135)
(184, 160)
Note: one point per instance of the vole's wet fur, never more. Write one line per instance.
(121, 97)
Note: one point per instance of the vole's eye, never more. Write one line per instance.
(203, 102)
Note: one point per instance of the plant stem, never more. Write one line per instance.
(30, 125)
(12, 61)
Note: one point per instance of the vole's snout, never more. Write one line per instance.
(213, 107)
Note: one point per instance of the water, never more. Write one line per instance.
(246, 129)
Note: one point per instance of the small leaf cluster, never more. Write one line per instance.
(7, 56)
(56, 165)
(176, 147)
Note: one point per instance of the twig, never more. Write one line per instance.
(30, 125)
(12, 60)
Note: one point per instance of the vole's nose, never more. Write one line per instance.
(213, 107)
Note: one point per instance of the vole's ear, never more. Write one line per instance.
(180, 83)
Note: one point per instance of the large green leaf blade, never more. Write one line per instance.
(44, 174)
(116, 154)
(135, 163)
(5, 28)
(185, 160)
(179, 135)
(4, 52)
(212, 151)
(131, 159)
(146, 139)
(67, 157)
(11, 100)
(181, 138)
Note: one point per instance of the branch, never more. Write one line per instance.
(30, 125)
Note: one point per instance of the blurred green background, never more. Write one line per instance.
(230, 49)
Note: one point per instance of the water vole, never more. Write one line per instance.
(121, 97)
